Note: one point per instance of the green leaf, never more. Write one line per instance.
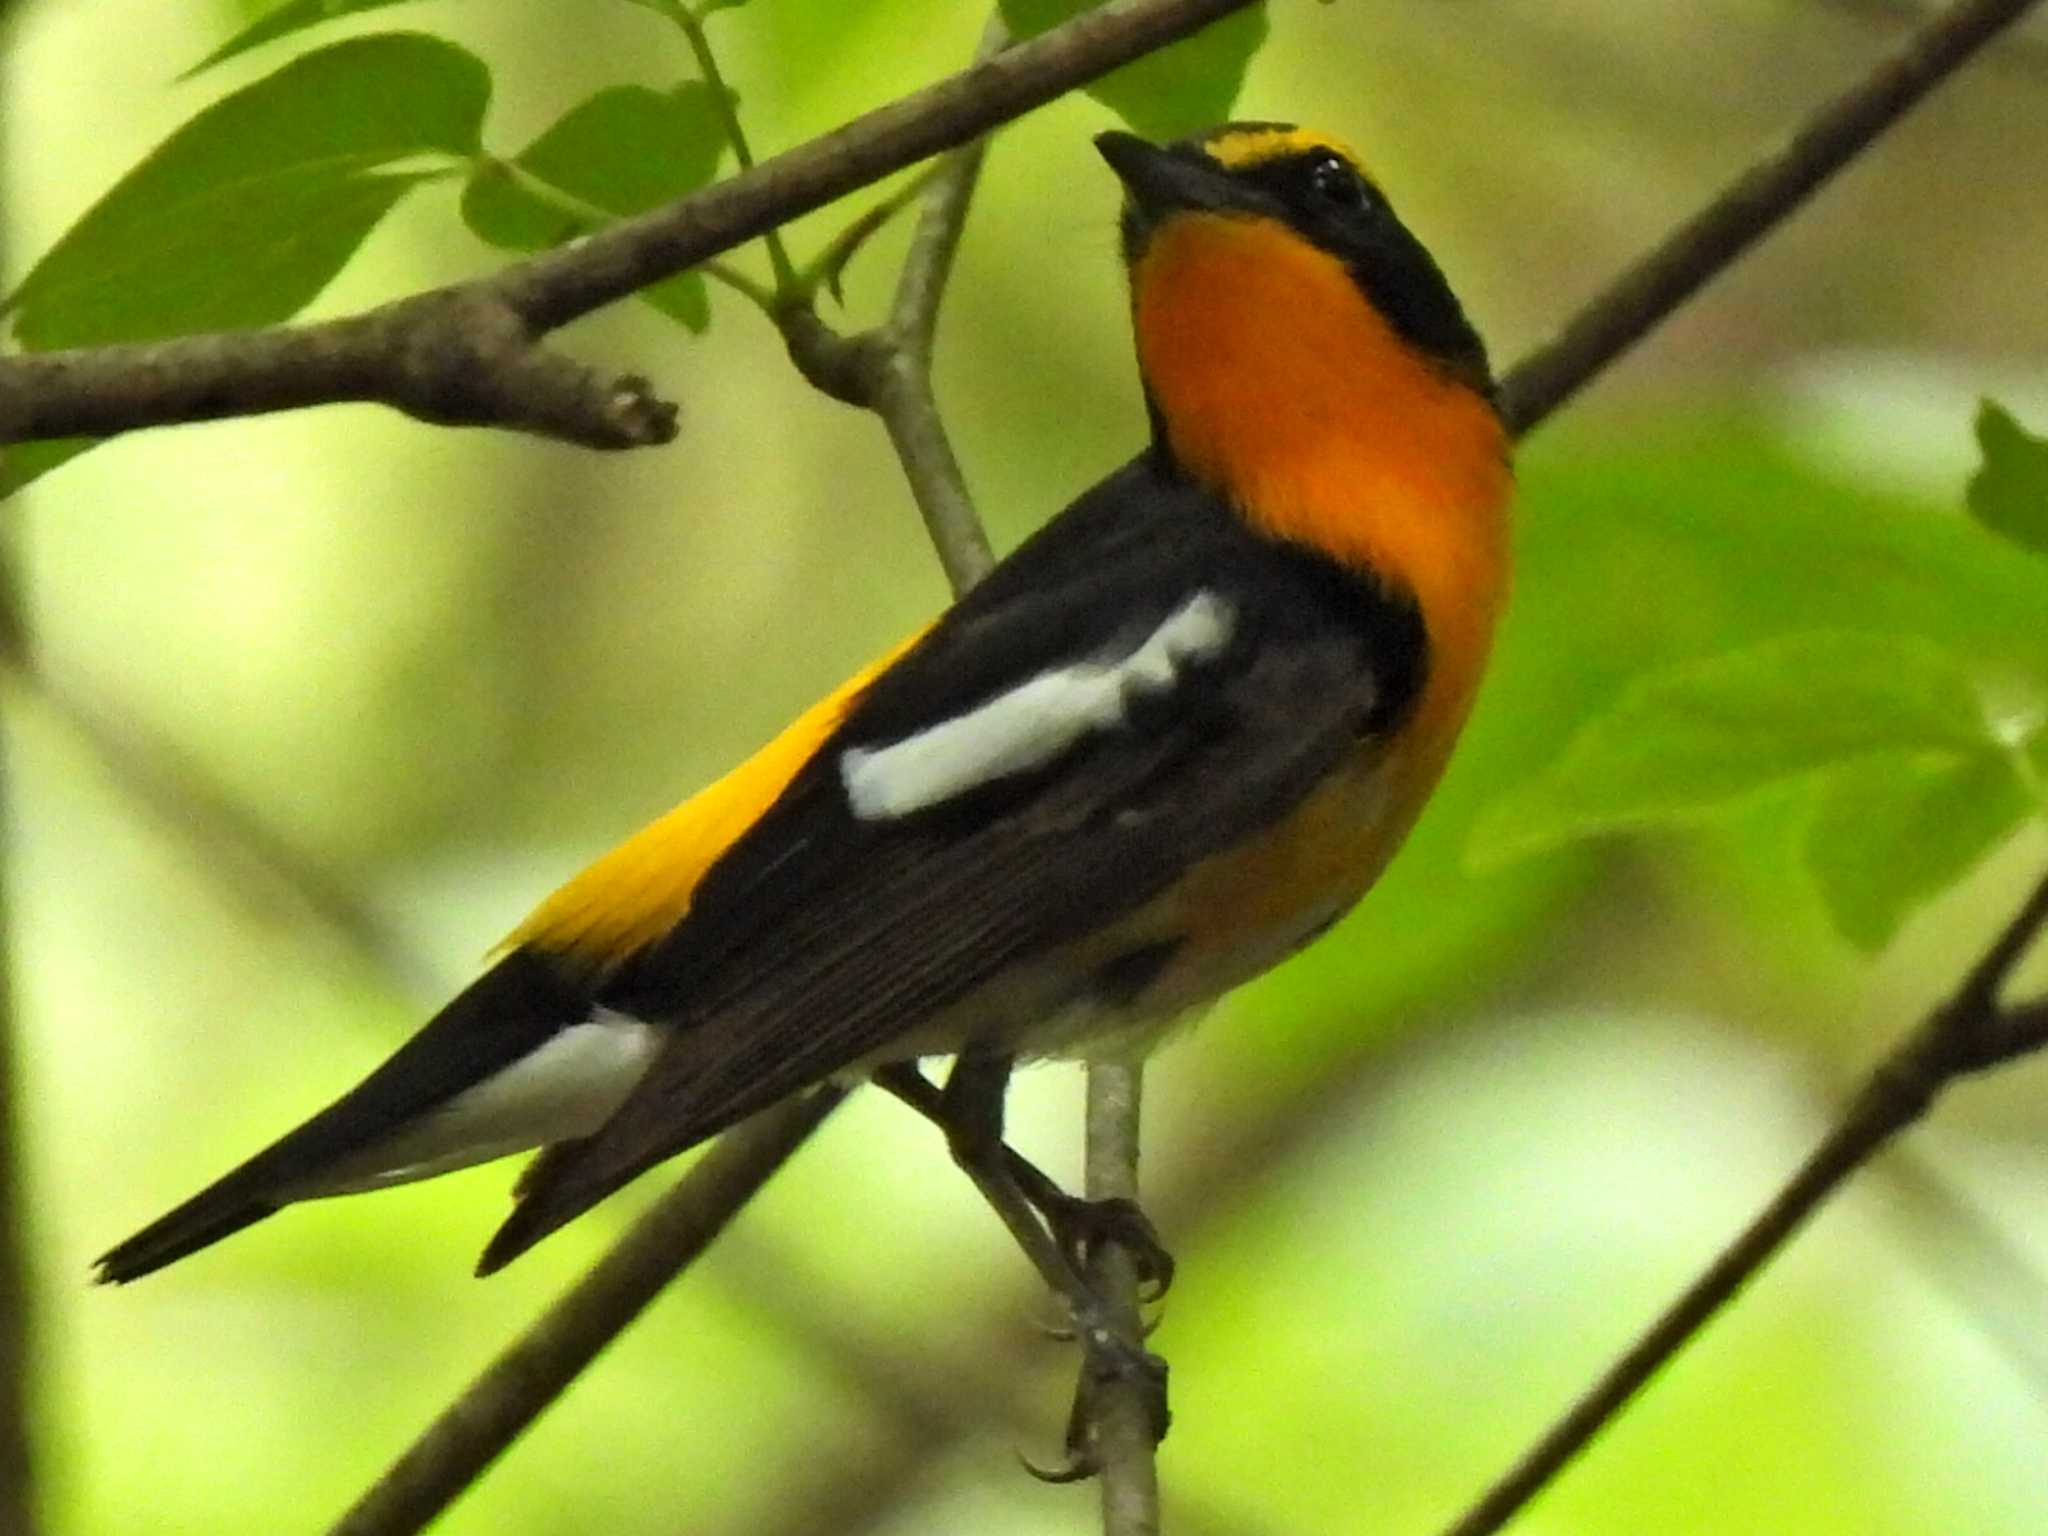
(621, 152)
(1894, 832)
(1174, 92)
(244, 214)
(2009, 492)
(292, 16)
(1695, 738)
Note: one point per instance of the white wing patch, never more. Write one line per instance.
(1029, 725)
(566, 1087)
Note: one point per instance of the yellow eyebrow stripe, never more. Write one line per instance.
(1237, 149)
(639, 891)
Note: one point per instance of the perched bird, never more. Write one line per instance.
(1165, 744)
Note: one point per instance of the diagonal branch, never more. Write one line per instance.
(539, 1365)
(1751, 207)
(470, 354)
(1125, 1441)
(1972, 1032)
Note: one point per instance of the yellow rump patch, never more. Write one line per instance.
(641, 889)
(1237, 149)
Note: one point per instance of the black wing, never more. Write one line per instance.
(820, 937)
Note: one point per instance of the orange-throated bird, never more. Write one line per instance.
(1164, 745)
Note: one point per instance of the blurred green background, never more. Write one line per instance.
(1422, 1182)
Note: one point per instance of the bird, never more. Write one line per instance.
(1166, 743)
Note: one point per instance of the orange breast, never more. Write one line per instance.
(1283, 388)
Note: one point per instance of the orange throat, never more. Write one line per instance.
(1286, 390)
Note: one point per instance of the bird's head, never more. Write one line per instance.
(1281, 225)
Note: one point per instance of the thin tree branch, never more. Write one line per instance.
(888, 370)
(724, 103)
(1710, 241)
(1124, 1436)
(470, 354)
(904, 397)
(1972, 1032)
(513, 1390)
(926, 1392)
(2020, 50)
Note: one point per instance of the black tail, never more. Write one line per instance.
(505, 1013)
(199, 1223)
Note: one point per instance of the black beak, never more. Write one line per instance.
(1159, 181)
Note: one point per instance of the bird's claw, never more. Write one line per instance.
(1081, 1227)
(1108, 1360)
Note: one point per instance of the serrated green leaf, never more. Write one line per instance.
(292, 16)
(621, 152)
(1892, 833)
(1692, 739)
(1174, 92)
(244, 214)
(2009, 492)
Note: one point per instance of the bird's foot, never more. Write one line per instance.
(1110, 1362)
(1083, 1227)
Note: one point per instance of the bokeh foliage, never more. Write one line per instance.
(1423, 1179)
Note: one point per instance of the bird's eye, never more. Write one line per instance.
(1333, 181)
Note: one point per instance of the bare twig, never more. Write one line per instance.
(457, 356)
(2020, 50)
(725, 105)
(925, 1393)
(471, 355)
(1708, 242)
(1124, 1435)
(904, 396)
(1971, 1032)
(498, 1406)
(888, 370)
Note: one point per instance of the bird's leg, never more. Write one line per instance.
(1079, 1226)
(970, 1111)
